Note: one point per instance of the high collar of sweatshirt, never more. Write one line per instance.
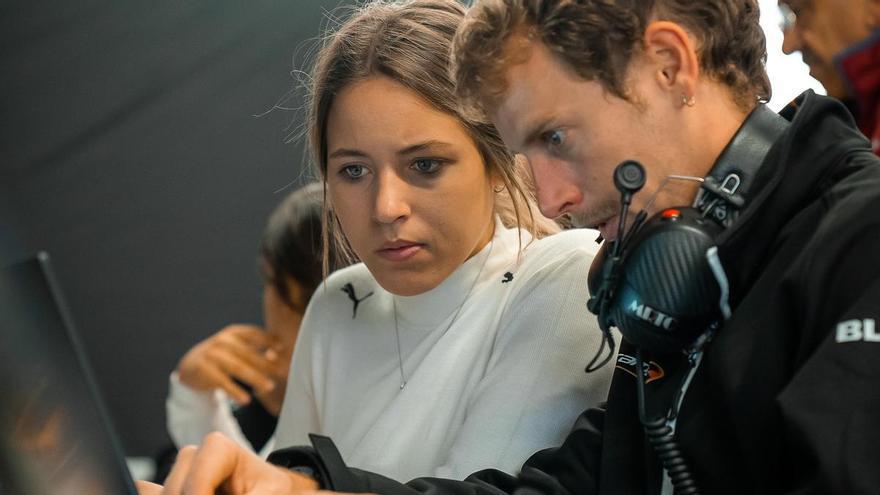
(442, 302)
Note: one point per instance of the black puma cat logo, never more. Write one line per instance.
(507, 278)
(349, 289)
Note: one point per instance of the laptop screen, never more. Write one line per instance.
(55, 435)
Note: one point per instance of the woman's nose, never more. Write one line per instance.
(391, 198)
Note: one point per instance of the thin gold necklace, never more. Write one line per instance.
(454, 317)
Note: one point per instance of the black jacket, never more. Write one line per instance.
(787, 398)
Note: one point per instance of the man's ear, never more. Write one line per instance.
(670, 49)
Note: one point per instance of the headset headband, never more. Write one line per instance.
(731, 178)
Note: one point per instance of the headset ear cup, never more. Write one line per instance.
(666, 294)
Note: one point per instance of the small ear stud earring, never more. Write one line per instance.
(687, 100)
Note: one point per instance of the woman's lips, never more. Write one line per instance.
(399, 251)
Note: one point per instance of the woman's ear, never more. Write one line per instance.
(672, 54)
(297, 297)
(496, 181)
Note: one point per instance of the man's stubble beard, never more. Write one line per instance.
(589, 219)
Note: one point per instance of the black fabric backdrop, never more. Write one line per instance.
(130, 151)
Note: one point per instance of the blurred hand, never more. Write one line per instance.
(238, 352)
(220, 465)
(272, 399)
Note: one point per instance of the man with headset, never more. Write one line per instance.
(772, 386)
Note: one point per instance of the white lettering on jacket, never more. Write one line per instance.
(857, 330)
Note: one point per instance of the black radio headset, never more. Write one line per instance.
(661, 283)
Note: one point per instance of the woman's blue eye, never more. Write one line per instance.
(426, 165)
(353, 171)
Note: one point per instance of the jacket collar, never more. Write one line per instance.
(725, 189)
(794, 173)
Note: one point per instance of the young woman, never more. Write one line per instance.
(248, 364)
(460, 341)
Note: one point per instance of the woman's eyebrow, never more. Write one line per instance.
(346, 152)
(414, 148)
(433, 143)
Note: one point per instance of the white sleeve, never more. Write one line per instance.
(534, 385)
(192, 414)
(299, 413)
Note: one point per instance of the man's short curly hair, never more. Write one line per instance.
(598, 38)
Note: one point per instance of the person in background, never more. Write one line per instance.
(234, 381)
(840, 42)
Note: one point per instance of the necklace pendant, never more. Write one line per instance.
(454, 316)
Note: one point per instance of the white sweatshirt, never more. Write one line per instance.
(500, 382)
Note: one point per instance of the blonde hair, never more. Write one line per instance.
(409, 42)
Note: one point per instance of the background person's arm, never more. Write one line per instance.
(199, 390)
